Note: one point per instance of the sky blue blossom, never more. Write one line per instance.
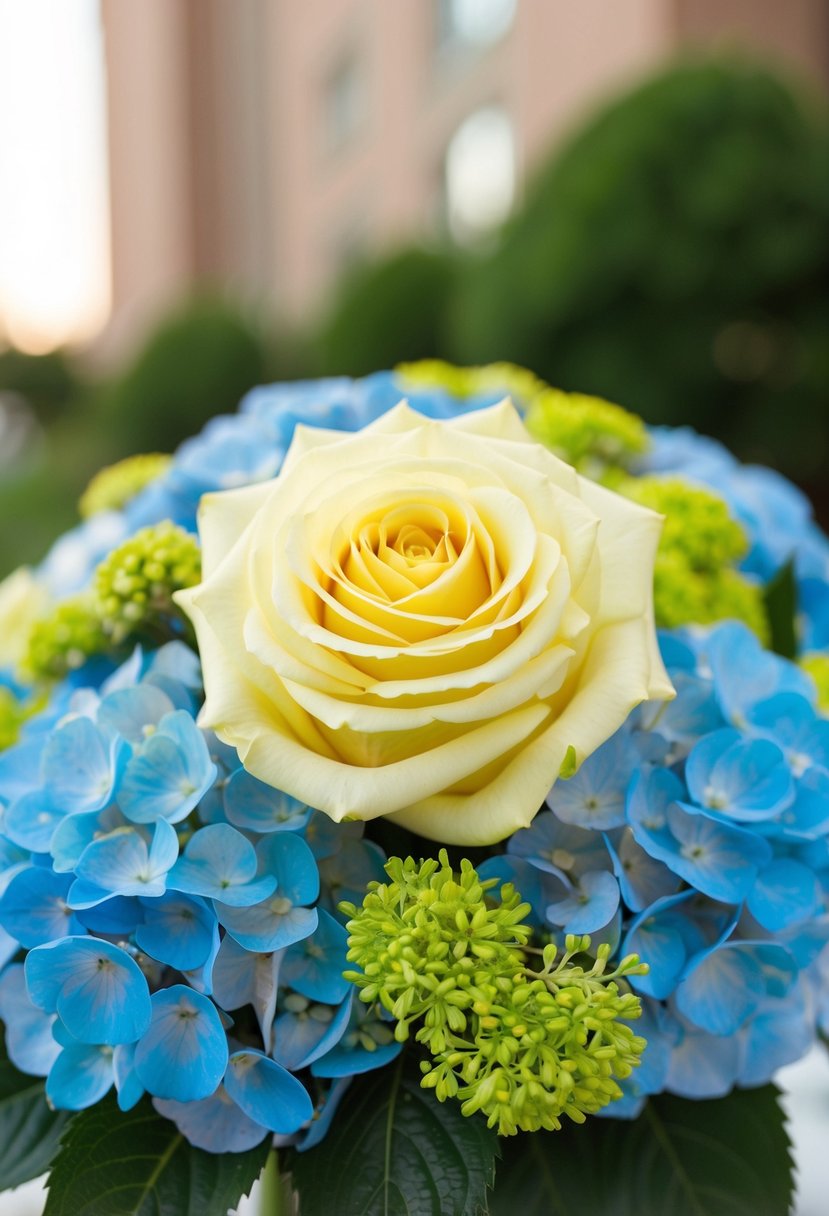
(367, 1043)
(169, 774)
(96, 989)
(33, 907)
(80, 766)
(642, 879)
(668, 935)
(315, 965)
(183, 1055)
(253, 805)
(220, 863)
(702, 1065)
(123, 863)
(241, 977)
(81, 1075)
(177, 930)
(742, 779)
(30, 1044)
(716, 858)
(589, 904)
(744, 673)
(130, 1090)
(778, 1033)
(215, 1124)
(284, 917)
(305, 1030)
(594, 797)
(266, 1092)
(792, 722)
(786, 893)
(724, 985)
(557, 847)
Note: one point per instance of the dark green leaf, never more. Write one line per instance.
(780, 598)
(138, 1164)
(394, 1150)
(724, 1157)
(29, 1131)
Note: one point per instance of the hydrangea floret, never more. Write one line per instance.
(112, 487)
(525, 1046)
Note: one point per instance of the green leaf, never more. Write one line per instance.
(138, 1164)
(723, 1157)
(29, 1130)
(394, 1150)
(780, 599)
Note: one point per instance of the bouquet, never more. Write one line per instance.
(416, 787)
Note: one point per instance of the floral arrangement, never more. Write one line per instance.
(426, 777)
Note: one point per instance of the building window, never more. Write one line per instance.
(472, 24)
(479, 174)
(345, 102)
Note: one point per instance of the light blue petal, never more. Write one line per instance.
(642, 879)
(30, 821)
(721, 990)
(291, 861)
(80, 765)
(786, 893)
(220, 863)
(80, 1076)
(250, 803)
(241, 978)
(315, 966)
(177, 930)
(589, 906)
(594, 797)
(171, 773)
(268, 926)
(214, 1124)
(33, 907)
(184, 1053)
(130, 1089)
(122, 863)
(116, 916)
(72, 835)
(716, 858)
(703, 1065)
(96, 989)
(267, 1093)
(30, 1043)
(129, 711)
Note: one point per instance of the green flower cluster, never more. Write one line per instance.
(64, 640)
(817, 666)
(526, 1047)
(695, 579)
(131, 599)
(598, 438)
(515, 382)
(13, 714)
(111, 488)
(134, 584)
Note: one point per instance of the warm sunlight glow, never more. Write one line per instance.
(54, 213)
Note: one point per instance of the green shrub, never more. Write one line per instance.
(674, 256)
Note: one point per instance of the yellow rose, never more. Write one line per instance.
(23, 600)
(420, 619)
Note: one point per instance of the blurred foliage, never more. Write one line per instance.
(388, 312)
(48, 383)
(674, 256)
(199, 361)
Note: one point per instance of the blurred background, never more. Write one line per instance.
(197, 196)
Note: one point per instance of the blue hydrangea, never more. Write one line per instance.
(169, 925)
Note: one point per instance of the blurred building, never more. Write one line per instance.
(267, 144)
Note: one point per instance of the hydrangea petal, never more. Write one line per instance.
(183, 1055)
(97, 989)
(267, 1093)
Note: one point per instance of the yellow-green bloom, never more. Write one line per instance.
(521, 385)
(593, 435)
(817, 666)
(695, 577)
(63, 641)
(111, 488)
(525, 1042)
(135, 584)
